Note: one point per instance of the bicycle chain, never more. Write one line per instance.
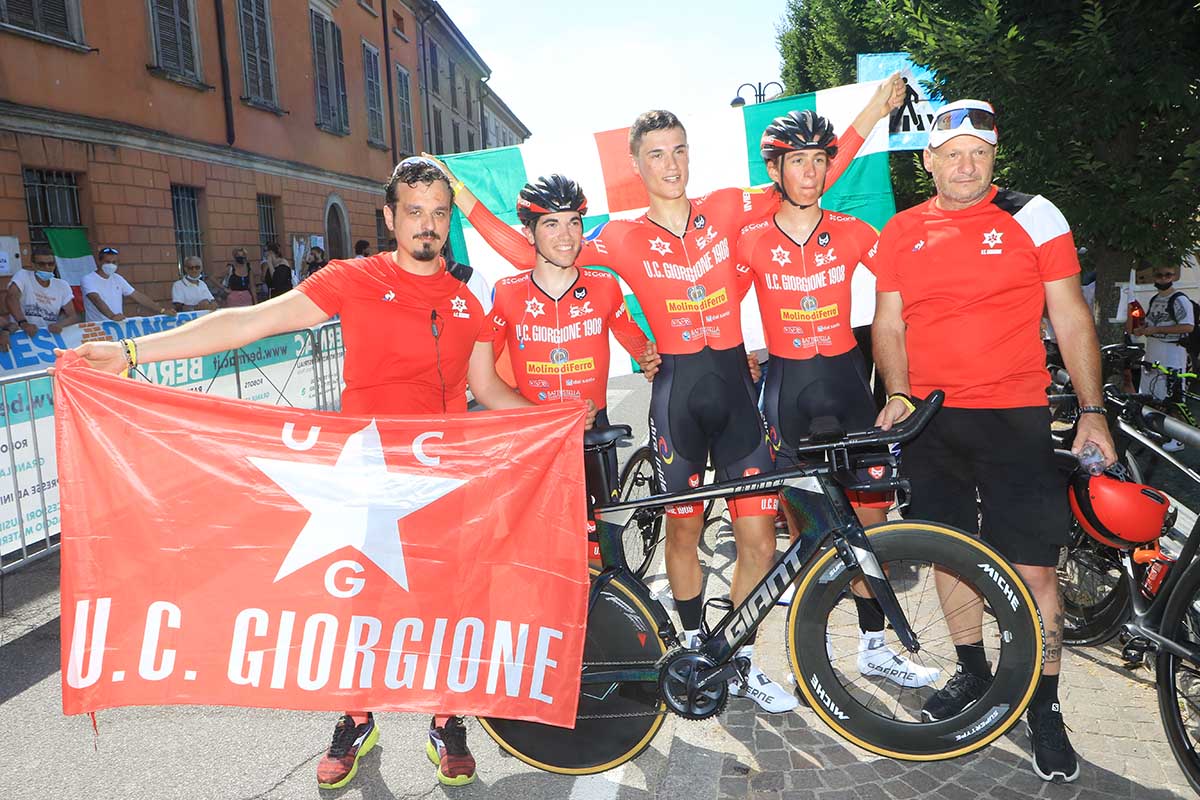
(629, 714)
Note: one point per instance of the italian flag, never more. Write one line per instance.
(72, 252)
(723, 152)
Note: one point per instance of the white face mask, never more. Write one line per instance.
(109, 268)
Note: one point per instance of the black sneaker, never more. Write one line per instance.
(1053, 755)
(959, 692)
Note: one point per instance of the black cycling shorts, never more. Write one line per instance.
(796, 391)
(1008, 456)
(701, 405)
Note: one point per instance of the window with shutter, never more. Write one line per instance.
(343, 111)
(404, 109)
(453, 86)
(434, 80)
(174, 41)
(321, 69)
(374, 97)
(255, 24)
(57, 18)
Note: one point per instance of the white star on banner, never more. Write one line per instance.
(355, 502)
(534, 307)
(660, 247)
(780, 256)
(992, 237)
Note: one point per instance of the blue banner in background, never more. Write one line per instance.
(909, 124)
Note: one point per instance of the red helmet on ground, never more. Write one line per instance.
(1116, 513)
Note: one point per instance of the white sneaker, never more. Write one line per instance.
(770, 696)
(1172, 445)
(689, 639)
(877, 660)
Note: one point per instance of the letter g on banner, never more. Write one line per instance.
(351, 585)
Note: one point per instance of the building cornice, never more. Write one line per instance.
(36, 121)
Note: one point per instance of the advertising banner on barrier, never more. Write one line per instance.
(37, 352)
(28, 469)
(309, 569)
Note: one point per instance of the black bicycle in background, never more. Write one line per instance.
(635, 669)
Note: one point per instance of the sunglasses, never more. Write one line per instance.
(980, 118)
(109, 251)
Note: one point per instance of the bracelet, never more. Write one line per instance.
(456, 186)
(130, 352)
(903, 398)
(1093, 410)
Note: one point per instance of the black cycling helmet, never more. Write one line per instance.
(798, 130)
(549, 196)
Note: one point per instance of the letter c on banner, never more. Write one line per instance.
(351, 586)
(419, 448)
(289, 437)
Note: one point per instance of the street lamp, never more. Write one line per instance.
(760, 92)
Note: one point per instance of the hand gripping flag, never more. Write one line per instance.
(225, 553)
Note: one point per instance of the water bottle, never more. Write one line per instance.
(1091, 459)
(1137, 314)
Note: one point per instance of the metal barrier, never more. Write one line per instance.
(30, 522)
(302, 369)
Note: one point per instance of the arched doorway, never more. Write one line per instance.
(337, 233)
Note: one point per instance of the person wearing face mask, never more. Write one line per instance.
(190, 293)
(104, 291)
(1169, 320)
(239, 283)
(37, 299)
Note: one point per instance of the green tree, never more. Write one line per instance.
(1098, 101)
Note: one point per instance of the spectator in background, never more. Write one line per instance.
(314, 260)
(104, 292)
(1169, 320)
(362, 249)
(391, 244)
(37, 299)
(277, 270)
(239, 282)
(190, 293)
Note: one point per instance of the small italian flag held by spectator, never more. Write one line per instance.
(72, 252)
(723, 151)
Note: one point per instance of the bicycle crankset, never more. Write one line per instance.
(693, 686)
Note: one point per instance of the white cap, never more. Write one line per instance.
(965, 126)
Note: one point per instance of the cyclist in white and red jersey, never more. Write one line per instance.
(801, 262)
(678, 259)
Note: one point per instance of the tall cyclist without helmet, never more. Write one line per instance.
(801, 262)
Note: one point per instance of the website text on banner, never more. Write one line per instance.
(723, 151)
(29, 512)
(309, 569)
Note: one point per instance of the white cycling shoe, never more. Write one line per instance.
(770, 696)
(878, 660)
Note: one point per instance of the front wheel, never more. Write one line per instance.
(1178, 679)
(614, 722)
(882, 714)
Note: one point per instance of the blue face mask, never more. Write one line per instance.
(43, 276)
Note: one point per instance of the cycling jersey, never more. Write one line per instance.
(803, 288)
(408, 338)
(972, 284)
(559, 347)
(686, 285)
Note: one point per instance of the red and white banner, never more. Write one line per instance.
(219, 552)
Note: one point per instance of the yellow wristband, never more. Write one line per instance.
(456, 186)
(903, 398)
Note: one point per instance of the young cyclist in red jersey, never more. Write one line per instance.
(678, 259)
(416, 337)
(555, 320)
(801, 262)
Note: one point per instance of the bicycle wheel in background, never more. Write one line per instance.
(1095, 594)
(1179, 679)
(885, 717)
(642, 534)
(614, 722)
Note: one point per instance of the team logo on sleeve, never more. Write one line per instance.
(823, 239)
(580, 292)
(459, 307)
(781, 256)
